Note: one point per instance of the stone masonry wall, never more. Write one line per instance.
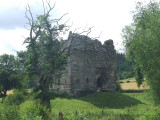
(92, 66)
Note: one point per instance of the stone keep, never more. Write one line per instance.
(91, 66)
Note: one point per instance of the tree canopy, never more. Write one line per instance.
(124, 67)
(142, 43)
(45, 55)
(10, 76)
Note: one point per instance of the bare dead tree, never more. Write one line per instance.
(42, 29)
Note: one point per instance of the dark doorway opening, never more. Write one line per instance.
(99, 82)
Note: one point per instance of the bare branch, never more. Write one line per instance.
(23, 37)
(26, 28)
(30, 20)
(44, 10)
(69, 26)
(76, 29)
(87, 31)
(66, 21)
(48, 3)
(98, 36)
(50, 8)
(57, 20)
(38, 32)
(85, 27)
(29, 10)
(72, 38)
(31, 31)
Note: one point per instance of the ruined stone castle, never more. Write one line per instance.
(91, 66)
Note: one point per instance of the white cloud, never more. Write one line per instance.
(12, 40)
(108, 16)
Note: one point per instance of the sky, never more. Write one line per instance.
(107, 16)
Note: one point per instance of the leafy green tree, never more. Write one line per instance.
(45, 54)
(142, 42)
(9, 76)
(124, 69)
(22, 60)
(23, 66)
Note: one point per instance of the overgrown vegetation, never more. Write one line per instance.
(11, 75)
(141, 40)
(124, 69)
(97, 106)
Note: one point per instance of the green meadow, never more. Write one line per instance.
(101, 106)
(105, 105)
(124, 105)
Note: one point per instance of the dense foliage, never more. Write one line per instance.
(128, 106)
(10, 74)
(124, 69)
(142, 42)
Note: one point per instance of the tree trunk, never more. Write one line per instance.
(3, 95)
(45, 98)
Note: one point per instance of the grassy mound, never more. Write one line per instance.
(105, 105)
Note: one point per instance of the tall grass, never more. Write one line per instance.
(97, 106)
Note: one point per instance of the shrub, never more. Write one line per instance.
(121, 82)
(33, 109)
(151, 115)
(34, 95)
(9, 112)
(98, 116)
(15, 99)
(118, 87)
(54, 95)
(125, 117)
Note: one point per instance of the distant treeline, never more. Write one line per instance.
(124, 69)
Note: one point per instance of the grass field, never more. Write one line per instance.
(134, 104)
(130, 84)
(9, 92)
(100, 106)
(130, 106)
(105, 105)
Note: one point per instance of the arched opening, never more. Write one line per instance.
(87, 61)
(87, 80)
(99, 82)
